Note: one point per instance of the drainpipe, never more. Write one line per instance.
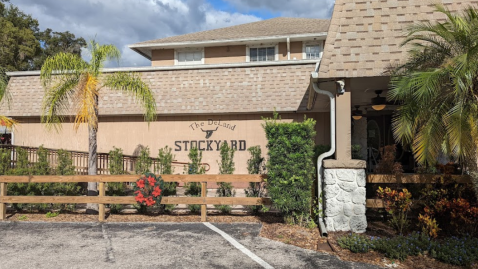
(313, 81)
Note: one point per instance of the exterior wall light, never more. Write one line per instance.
(379, 103)
(340, 86)
(357, 114)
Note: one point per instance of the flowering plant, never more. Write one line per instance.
(148, 190)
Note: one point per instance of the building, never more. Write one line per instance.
(210, 87)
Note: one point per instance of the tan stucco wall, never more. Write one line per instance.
(129, 133)
(164, 57)
(225, 54)
(295, 50)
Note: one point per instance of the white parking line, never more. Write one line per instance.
(239, 246)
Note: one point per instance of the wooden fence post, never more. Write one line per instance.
(3, 206)
(101, 207)
(203, 206)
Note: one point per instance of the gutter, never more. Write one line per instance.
(179, 67)
(320, 170)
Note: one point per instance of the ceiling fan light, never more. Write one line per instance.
(357, 117)
(378, 107)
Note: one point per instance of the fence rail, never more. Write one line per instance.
(102, 199)
(407, 179)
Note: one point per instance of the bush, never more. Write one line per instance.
(387, 163)
(457, 251)
(5, 161)
(290, 167)
(255, 165)
(65, 164)
(115, 161)
(42, 167)
(401, 247)
(165, 167)
(355, 243)
(194, 167)
(226, 167)
(397, 204)
(144, 162)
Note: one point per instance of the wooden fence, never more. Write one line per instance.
(407, 179)
(80, 160)
(102, 199)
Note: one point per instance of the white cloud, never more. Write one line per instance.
(124, 22)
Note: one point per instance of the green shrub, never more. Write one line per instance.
(400, 247)
(65, 164)
(457, 251)
(290, 167)
(226, 167)
(42, 167)
(194, 167)
(5, 161)
(144, 162)
(116, 188)
(165, 167)
(255, 165)
(356, 152)
(355, 243)
(115, 161)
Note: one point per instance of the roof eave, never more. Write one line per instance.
(321, 35)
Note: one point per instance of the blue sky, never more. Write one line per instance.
(124, 22)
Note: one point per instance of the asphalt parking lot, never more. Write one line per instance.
(151, 245)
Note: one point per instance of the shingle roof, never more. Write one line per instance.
(193, 91)
(271, 27)
(364, 36)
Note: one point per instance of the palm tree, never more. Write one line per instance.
(438, 89)
(5, 99)
(68, 78)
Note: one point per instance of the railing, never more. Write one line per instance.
(407, 179)
(102, 199)
(80, 160)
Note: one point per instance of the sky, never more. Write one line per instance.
(125, 22)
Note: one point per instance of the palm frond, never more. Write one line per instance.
(8, 122)
(86, 99)
(101, 53)
(132, 84)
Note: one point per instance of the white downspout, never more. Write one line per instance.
(313, 81)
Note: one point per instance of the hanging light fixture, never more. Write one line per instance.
(379, 103)
(357, 114)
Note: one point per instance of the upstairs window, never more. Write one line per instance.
(185, 57)
(262, 54)
(312, 51)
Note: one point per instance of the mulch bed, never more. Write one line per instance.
(273, 228)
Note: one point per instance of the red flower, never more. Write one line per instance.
(151, 181)
(156, 192)
(140, 183)
(139, 197)
(150, 201)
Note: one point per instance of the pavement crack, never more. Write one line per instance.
(110, 257)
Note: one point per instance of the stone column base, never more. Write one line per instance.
(344, 200)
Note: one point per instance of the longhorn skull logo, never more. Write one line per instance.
(209, 132)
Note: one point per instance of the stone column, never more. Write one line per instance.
(344, 195)
(344, 178)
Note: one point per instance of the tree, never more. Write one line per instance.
(24, 47)
(5, 99)
(438, 89)
(66, 77)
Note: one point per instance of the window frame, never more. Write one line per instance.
(249, 47)
(312, 43)
(176, 56)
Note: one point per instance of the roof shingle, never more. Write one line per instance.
(364, 36)
(272, 27)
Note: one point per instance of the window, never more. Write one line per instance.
(312, 51)
(189, 57)
(262, 54)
